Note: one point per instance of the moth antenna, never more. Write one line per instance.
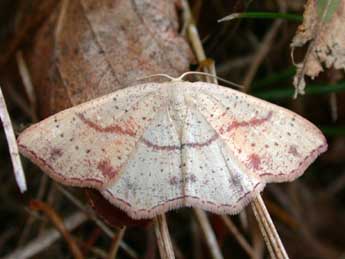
(210, 75)
(155, 75)
(176, 79)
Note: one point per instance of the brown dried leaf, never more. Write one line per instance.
(323, 26)
(29, 15)
(92, 48)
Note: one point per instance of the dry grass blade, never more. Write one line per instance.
(12, 145)
(230, 17)
(116, 243)
(263, 50)
(268, 230)
(163, 238)
(90, 214)
(58, 223)
(208, 233)
(261, 53)
(240, 239)
(85, 210)
(47, 238)
(26, 79)
(263, 231)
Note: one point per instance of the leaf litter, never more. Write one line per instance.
(323, 27)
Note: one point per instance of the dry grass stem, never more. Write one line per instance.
(336, 185)
(12, 145)
(42, 242)
(239, 237)
(282, 215)
(234, 63)
(230, 17)
(268, 230)
(18, 100)
(90, 214)
(263, 231)
(29, 88)
(163, 237)
(257, 241)
(115, 244)
(261, 53)
(61, 18)
(58, 223)
(208, 233)
(26, 79)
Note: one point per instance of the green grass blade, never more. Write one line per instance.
(275, 77)
(264, 15)
(333, 131)
(282, 93)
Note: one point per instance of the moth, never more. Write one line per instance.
(154, 147)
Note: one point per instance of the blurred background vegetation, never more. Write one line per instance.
(253, 49)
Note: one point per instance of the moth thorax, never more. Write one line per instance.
(177, 108)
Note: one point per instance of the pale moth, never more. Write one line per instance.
(154, 147)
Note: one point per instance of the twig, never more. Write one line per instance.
(336, 186)
(163, 238)
(268, 229)
(234, 63)
(12, 145)
(115, 244)
(47, 238)
(240, 239)
(208, 233)
(90, 241)
(26, 79)
(282, 215)
(58, 223)
(196, 240)
(30, 220)
(61, 18)
(258, 243)
(89, 213)
(264, 48)
(263, 231)
(99, 253)
(261, 53)
(17, 99)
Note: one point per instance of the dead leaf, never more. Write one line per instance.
(323, 26)
(90, 48)
(29, 15)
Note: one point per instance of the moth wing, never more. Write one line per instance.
(150, 182)
(215, 179)
(269, 141)
(87, 145)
